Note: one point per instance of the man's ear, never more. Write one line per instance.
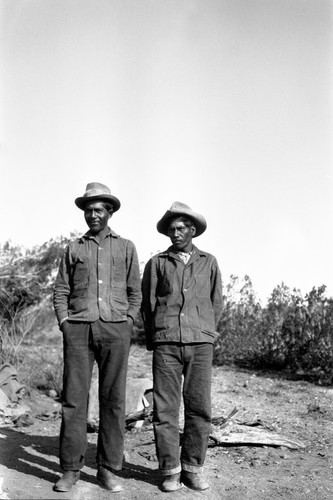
(193, 230)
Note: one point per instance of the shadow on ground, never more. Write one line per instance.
(37, 456)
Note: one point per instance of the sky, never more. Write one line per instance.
(225, 105)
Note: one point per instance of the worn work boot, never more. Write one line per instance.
(108, 480)
(69, 478)
(194, 481)
(171, 483)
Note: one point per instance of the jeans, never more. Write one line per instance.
(108, 344)
(170, 363)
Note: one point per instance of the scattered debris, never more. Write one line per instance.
(253, 436)
(49, 415)
(223, 421)
(315, 408)
(226, 432)
(151, 457)
(22, 420)
(144, 415)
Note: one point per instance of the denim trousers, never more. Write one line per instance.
(172, 364)
(108, 344)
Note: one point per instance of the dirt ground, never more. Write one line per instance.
(298, 410)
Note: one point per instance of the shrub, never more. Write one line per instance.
(290, 333)
(13, 333)
(241, 315)
(26, 283)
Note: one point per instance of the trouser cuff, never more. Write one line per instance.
(170, 472)
(112, 468)
(197, 469)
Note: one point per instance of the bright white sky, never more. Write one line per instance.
(225, 105)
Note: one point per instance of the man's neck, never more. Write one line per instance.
(101, 235)
(188, 249)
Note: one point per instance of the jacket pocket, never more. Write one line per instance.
(77, 304)
(120, 305)
(207, 320)
(119, 299)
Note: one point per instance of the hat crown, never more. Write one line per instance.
(96, 189)
(178, 206)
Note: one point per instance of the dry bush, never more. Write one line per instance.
(301, 338)
(290, 333)
(13, 332)
(26, 284)
(238, 341)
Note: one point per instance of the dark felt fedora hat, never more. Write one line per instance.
(95, 191)
(177, 209)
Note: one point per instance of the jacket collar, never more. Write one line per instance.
(171, 253)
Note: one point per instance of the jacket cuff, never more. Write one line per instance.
(61, 321)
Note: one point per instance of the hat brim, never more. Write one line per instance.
(198, 220)
(83, 200)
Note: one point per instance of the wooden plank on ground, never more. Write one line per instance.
(259, 438)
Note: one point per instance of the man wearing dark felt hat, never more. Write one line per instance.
(97, 296)
(181, 307)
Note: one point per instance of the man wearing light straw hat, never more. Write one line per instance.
(182, 304)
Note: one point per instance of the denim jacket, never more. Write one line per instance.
(181, 303)
(98, 280)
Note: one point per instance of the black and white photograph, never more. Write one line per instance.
(166, 249)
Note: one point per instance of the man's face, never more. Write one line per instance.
(181, 235)
(96, 216)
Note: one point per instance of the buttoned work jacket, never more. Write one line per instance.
(98, 280)
(181, 302)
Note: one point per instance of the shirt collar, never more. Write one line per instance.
(107, 232)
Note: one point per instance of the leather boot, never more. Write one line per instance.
(194, 481)
(108, 480)
(171, 483)
(68, 479)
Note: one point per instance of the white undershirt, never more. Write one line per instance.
(185, 256)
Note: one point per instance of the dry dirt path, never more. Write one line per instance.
(296, 409)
